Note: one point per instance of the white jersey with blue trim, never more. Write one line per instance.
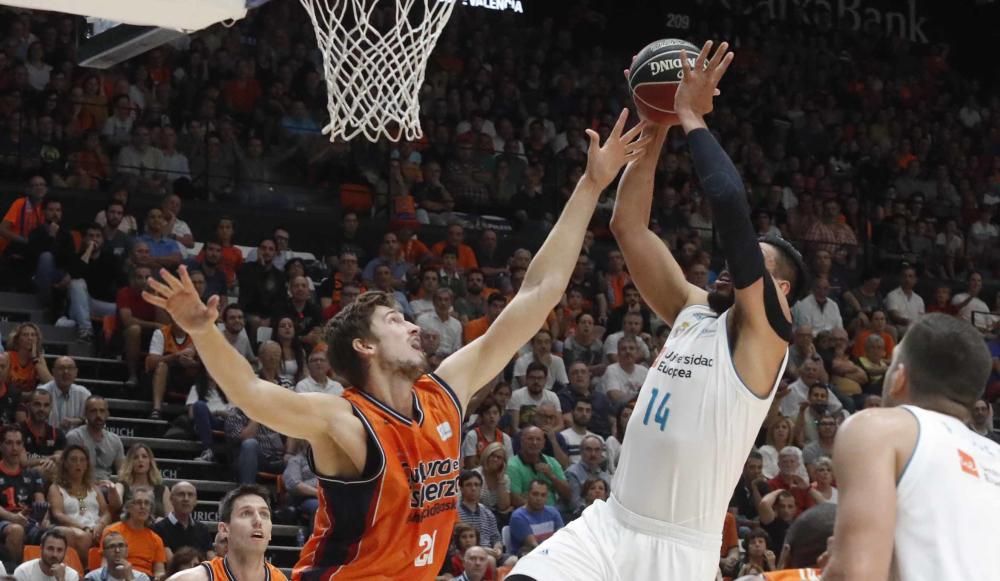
(947, 504)
(692, 428)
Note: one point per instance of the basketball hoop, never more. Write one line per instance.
(375, 62)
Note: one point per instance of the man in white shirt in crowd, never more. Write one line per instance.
(68, 398)
(903, 303)
(176, 228)
(175, 163)
(541, 352)
(448, 328)
(622, 380)
(798, 392)
(318, 380)
(524, 401)
(51, 565)
(817, 310)
(575, 434)
(972, 308)
(631, 327)
(234, 329)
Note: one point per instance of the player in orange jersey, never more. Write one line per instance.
(387, 452)
(245, 519)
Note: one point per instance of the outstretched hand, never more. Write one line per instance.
(178, 297)
(605, 161)
(700, 83)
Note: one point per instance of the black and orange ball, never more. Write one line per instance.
(654, 77)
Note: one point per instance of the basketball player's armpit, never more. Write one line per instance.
(730, 212)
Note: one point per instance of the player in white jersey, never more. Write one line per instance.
(919, 490)
(708, 390)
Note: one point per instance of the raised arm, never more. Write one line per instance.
(651, 265)
(468, 369)
(866, 507)
(761, 316)
(326, 421)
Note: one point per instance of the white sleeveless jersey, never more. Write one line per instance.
(692, 427)
(948, 504)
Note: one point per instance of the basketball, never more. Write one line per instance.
(655, 75)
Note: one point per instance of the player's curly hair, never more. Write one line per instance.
(354, 322)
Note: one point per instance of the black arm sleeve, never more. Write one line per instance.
(730, 211)
(721, 182)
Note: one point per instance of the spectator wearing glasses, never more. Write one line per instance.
(116, 566)
(147, 552)
(318, 379)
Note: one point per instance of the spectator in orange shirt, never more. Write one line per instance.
(877, 326)
(729, 551)
(477, 327)
(242, 93)
(232, 257)
(456, 237)
(27, 362)
(616, 278)
(147, 552)
(411, 249)
(23, 216)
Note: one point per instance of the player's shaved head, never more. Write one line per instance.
(808, 534)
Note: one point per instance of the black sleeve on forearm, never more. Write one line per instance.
(722, 184)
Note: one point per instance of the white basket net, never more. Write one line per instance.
(375, 61)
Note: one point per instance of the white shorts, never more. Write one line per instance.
(610, 543)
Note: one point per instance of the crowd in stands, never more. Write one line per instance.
(884, 170)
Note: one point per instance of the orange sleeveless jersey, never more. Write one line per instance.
(793, 575)
(395, 520)
(218, 570)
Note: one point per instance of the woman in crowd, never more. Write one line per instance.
(293, 356)
(28, 369)
(487, 432)
(495, 494)
(779, 435)
(613, 446)
(591, 490)
(77, 503)
(140, 471)
(269, 357)
(875, 363)
(823, 489)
